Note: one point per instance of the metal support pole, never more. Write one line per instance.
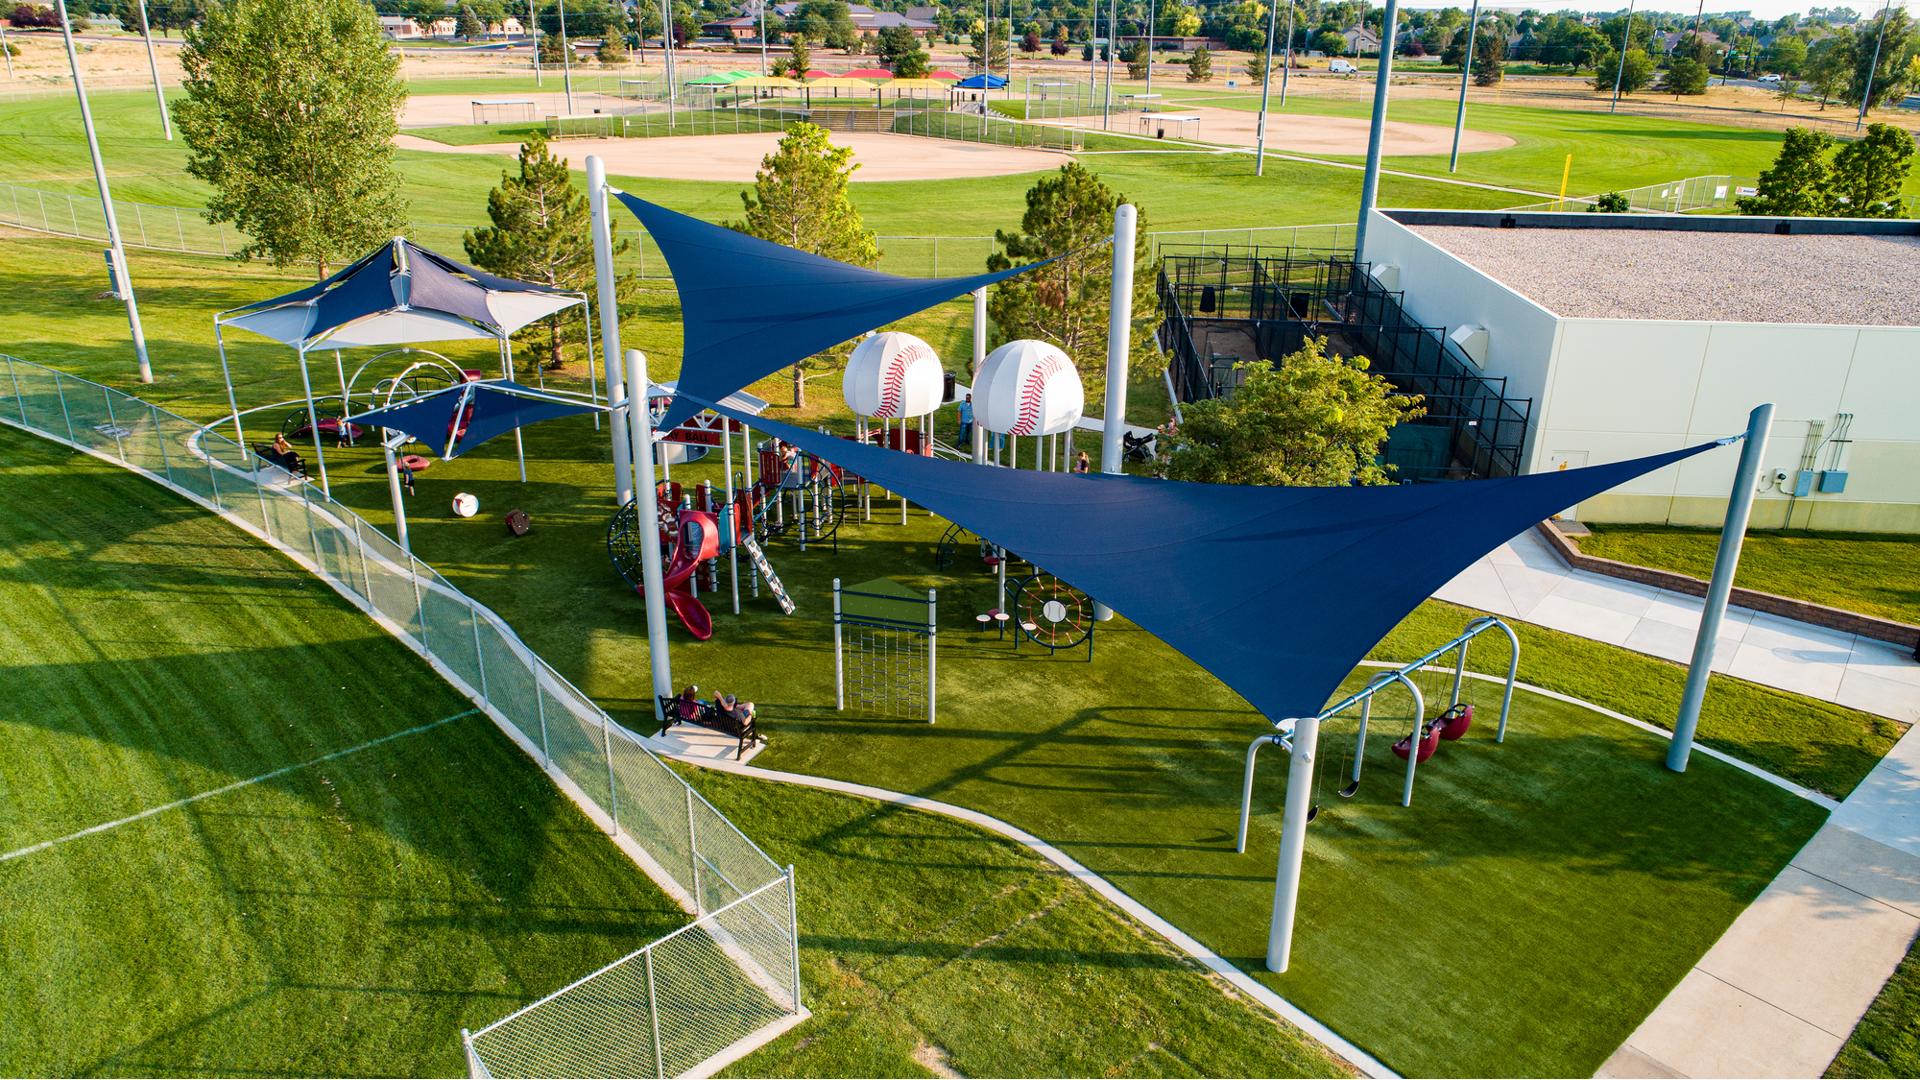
(1626, 42)
(733, 514)
(1466, 69)
(1726, 561)
(933, 637)
(533, 28)
(1287, 68)
(1886, 14)
(506, 369)
(123, 280)
(1266, 92)
(313, 421)
(566, 57)
(839, 667)
(1383, 74)
(1119, 341)
(793, 936)
(1293, 841)
(399, 506)
(153, 65)
(609, 326)
(640, 425)
(653, 1010)
(8, 53)
(693, 860)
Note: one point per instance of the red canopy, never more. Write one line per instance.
(816, 73)
(869, 73)
(943, 73)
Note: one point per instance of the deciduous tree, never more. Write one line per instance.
(1800, 182)
(1869, 173)
(290, 112)
(1489, 56)
(1312, 420)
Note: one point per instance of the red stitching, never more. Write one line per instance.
(1033, 389)
(893, 380)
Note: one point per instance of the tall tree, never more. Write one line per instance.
(1200, 65)
(1489, 56)
(1065, 303)
(799, 199)
(1687, 66)
(1313, 420)
(290, 112)
(989, 53)
(1830, 65)
(895, 42)
(1800, 182)
(541, 232)
(798, 59)
(1869, 173)
(1889, 76)
(468, 25)
(1635, 73)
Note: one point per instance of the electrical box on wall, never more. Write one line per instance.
(1803, 483)
(1833, 482)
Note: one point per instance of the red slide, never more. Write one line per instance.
(698, 540)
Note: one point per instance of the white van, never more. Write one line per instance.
(1342, 67)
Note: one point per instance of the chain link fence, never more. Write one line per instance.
(663, 1010)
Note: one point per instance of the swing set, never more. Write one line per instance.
(1450, 723)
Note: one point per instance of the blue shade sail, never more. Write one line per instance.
(1278, 591)
(749, 307)
(459, 418)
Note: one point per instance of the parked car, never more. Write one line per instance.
(1342, 67)
(1769, 78)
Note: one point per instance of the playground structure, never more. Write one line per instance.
(1450, 723)
(1045, 610)
(892, 632)
(696, 529)
(1027, 388)
(890, 377)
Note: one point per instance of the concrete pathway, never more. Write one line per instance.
(1782, 989)
(1527, 580)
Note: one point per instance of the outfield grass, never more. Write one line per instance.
(1886, 1042)
(351, 917)
(1871, 573)
(347, 918)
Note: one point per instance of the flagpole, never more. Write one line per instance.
(123, 281)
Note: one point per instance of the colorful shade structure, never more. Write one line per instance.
(724, 79)
(768, 82)
(1278, 591)
(749, 307)
(944, 75)
(817, 73)
(916, 84)
(840, 82)
(457, 419)
(981, 82)
(869, 73)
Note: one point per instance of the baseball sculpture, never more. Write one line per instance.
(1028, 388)
(893, 376)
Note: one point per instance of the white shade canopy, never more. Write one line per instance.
(401, 294)
(893, 375)
(1028, 388)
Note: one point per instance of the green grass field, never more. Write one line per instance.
(1871, 573)
(1886, 1043)
(351, 916)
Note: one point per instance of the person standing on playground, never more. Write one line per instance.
(1083, 465)
(966, 422)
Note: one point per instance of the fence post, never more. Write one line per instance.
(313, 540)
(140, 221)
(479, 654)
(213, 485)
(113, 425)
(653, 1011)
(419, 606)
(793, 936)
(18, 397)
(159, 436)
(366, 576)
(606, 747)
(693, 858)
(60, 391)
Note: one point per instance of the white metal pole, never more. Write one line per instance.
(399, 507)
(1383, 74)
(1726, 561)
(1266, 92)
(1287, 68)
(566, 57)
(1293, 841)
(533, 29)
(1119, 339)
(593, 385)
(1153, 13)
(1113, 41)
(313, 421)
(226, 376)
(1466, 69)
(153, 65)
(1886, 15)
(933, 637)
(839, 668)
(1626, 42)
(5, 51)
(506, 369)
(640, 429)
(733, 513)
(763, 54)
(123, 278)
(597, 193)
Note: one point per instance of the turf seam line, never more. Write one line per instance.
(235, 786)
(1262, 995)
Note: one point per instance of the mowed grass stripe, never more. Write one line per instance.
(345, 917)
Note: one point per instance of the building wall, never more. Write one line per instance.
(1621, 388)
(1441, 289)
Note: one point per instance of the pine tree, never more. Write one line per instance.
(988, 55)
(1200, 65)
(290, 112)
(1489, 56)
(799, 199)
(1257, 67)
(468, 24)
(541, 232)
(1068, 214)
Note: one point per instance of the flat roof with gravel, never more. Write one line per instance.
(1625, 273)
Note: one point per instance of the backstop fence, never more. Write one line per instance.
(683, 1003)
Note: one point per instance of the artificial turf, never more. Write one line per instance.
(349, 917)
(1871, 573)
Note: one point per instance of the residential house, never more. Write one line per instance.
(1361, 41)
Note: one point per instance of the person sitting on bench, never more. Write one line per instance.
(725, 714)
(282, 454)
(732, 708)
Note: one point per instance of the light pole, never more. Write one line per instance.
(1886, 14)
(1113, 39)
(566, 57)
(153, 65)
(6, 51)
(1153, 12)
(1266, 89)
(1370, 181)
(1287, 68)
(1626, 41)
(763, 54)
(1466, 69)
(116, 252)
(533, 29)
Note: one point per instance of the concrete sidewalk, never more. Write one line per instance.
(1782, 989)
(1525, 579)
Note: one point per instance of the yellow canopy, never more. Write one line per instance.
(915, 84)
(767, 81)
(839, 82)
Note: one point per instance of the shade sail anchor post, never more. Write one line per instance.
(313, 421)
(1119, 340)
(1293, 842)
(597, 192)
(639, 425)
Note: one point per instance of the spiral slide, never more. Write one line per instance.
(698, 540)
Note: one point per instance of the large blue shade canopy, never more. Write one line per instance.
(981, 82)
(749, 307)
(1278, 591)
(400, 294)
(459, 418)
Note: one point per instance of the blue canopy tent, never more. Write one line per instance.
(981, 82)
(1278, 591)
(749, 307)
(401, 293)
(457, 419)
